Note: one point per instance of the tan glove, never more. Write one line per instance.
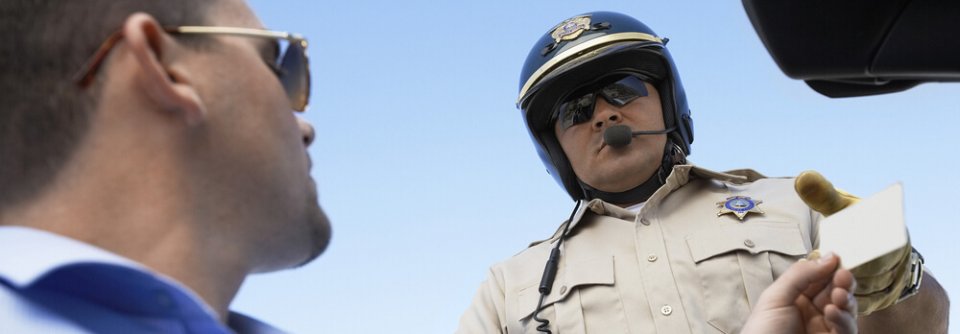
(881, 281)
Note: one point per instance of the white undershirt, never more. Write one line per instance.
(636, 207)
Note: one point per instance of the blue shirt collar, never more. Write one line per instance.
(33, 253)
(37, 260)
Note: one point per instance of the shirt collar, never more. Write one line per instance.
(31, 253)
(679, 176)
(683, 174)
(41, 254)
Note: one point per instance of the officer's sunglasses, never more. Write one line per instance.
(578, 107)
(291, 65)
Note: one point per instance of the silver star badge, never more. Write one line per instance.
(739, 206)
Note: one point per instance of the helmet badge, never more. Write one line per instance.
(570, 30)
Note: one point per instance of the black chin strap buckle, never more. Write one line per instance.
(674, 157)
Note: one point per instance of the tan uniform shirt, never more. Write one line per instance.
(676, 267)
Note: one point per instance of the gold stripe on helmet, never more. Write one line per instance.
(579, 48)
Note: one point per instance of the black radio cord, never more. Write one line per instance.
(550, 273)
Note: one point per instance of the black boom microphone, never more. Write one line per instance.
(620, 135)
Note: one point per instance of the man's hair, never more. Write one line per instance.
(44, 114)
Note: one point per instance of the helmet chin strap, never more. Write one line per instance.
(672, 155)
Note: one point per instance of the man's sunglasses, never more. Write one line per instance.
(291, 65)
(578, 107)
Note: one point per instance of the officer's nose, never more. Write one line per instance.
(604, 113)
(306, 131)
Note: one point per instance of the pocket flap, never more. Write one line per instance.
(596, 271)
(751, 237)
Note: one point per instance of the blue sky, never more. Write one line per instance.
(429, 177)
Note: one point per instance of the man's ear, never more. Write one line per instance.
(170, 89)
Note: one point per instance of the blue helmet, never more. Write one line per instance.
(579, 51)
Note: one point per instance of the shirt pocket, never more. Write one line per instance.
(586, 285)
(735, 263)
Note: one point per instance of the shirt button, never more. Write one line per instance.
(749, 243)
(652, 257)
(563, 289)
(644, 221)
(666, 310)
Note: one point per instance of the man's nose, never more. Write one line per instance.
(604, 113)
(306, 131)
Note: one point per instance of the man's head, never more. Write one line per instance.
(609, 168)
(45, 115)
(588, 54)
(202, 117)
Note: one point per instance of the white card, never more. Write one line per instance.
(866, 230)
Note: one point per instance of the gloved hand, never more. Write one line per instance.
(881, 281)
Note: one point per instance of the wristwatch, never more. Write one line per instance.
(916, 275)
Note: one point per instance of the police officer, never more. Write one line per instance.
(654, 244)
